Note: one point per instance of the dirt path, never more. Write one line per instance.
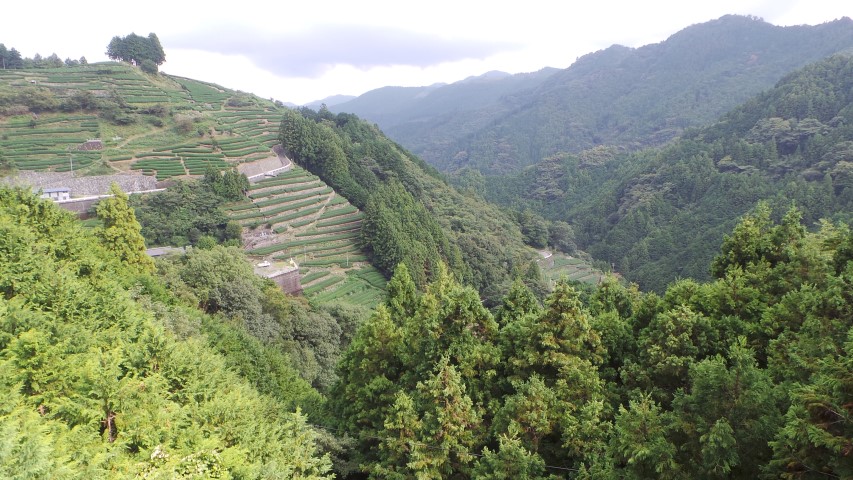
(131, 138)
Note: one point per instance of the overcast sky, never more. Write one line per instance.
(301, 51)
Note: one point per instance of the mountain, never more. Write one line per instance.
(660, 213)
(628, 97)
(419, 117)
(328, 101)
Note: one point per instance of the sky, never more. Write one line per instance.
(303, 51)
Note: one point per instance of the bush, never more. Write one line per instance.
(183, 124)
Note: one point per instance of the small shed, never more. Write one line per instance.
(56, 194)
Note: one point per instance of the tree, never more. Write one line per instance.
(511, 461)
(148, 66)
(229, 185)
(367, 391)
(450, 426)
(53, 61)
(668, 347)
(402, 295)
(121, 233)
(815, 440)
(641, 446)
(562, 331)
(723, 394)
(534, 229)
(561, 237)
(14, 59)
(136, 49)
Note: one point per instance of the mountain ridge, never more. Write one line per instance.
(629, 97)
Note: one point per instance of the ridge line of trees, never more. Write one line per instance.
(11, 59)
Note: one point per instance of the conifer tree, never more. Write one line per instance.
(509, 462)
(121, 233)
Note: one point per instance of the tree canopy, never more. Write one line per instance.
(137, 49)
(741, 377)
(107, 374)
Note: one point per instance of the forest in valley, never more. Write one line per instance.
(659, 214)
(718, 344)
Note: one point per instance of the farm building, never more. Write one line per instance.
(56, 194)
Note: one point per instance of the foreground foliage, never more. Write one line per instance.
(106, 375)
(742, 377)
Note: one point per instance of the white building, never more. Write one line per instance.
(56, 194)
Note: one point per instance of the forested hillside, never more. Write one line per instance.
(411, 215)
(109, 369)
(659, 214)
(620, 96)
(746, 376)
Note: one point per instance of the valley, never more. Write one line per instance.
(636, 267)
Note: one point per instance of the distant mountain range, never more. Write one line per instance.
(627, 97)
(661, 213)
(329, 101)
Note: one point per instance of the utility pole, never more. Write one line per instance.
(71, 161)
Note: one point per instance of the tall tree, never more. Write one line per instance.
(121, 233)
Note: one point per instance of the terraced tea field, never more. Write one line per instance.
(295, 215)
(576, 269)
(167, 126)
(49, 143)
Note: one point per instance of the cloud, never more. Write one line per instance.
(310, 53)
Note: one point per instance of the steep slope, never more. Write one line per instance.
(410, 214)
(660, 213)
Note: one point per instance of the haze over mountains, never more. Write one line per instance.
(618, 96)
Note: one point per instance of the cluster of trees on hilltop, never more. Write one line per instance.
(742, 377)
(146, 52)
(658, 214)
(411, 214)
(11, 59)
